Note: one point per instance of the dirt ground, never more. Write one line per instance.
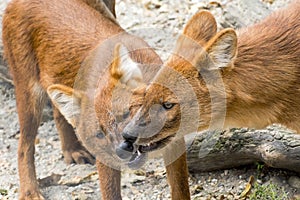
(159, 22)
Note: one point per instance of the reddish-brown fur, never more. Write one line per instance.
(257, 68)
(45, 44)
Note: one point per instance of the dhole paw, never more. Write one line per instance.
(31, 196)
(79, 156)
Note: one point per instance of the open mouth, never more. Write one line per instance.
(152, 146)
(140, 154)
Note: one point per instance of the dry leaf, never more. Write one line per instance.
(269, 1)
(78, 180)
(247, 190)
(215, 3)
(53, 179)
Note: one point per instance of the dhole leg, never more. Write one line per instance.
(30, 99)
(72, 149)
(177, 174)
(110, 182)
(29, 107)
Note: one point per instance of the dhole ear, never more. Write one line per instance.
(67, 101)
(201, 27)
(124, 69)
(220, 51)
(223, 48)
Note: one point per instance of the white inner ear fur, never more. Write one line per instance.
(68, 105)
(222, 51)
(131, 73)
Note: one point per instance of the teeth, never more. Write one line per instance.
(139, 153)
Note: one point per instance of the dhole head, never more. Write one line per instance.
(185, 94)
(96, 112)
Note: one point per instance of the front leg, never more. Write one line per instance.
(29, 111)
(110, 182)
(177, 171)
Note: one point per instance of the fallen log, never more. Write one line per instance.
(277, 148)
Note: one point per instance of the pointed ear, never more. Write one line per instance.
(222, 49)
(124, 69)
(201, 27)
(220, 52)
(67, 101)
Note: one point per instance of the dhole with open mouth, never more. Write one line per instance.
(244, 78)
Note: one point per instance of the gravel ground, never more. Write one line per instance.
(159, 22)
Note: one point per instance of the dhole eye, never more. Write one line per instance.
(168, 105)
(100, 134)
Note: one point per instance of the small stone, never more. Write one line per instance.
(17, 135)
(259, 181)
(197, 189)
(214, 181)
(243, 130)
(3, 192)
(226, 172)
(37, 140)
(294, 181)
(139, 173)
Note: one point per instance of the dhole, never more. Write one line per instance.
(244, 78)
(56, 48)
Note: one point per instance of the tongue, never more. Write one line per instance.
(137, 160)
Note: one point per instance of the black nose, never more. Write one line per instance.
(129, 137)
(124, 150)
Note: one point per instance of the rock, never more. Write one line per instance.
(225, 172)
(294, 181)
(243, 13)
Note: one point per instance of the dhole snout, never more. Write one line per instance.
(141, 133)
